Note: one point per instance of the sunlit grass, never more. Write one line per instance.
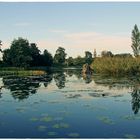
(22, 72)
(116, 65)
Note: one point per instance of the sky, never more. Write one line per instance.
(76, 26)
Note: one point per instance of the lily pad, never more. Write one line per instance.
(130, 136)
(52, 133)
(46, 119)
(61, 125)
(42, 128)
(106, 120)
(74, 135)
(34, 119)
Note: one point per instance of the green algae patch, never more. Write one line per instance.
(106, 120)
(129, 136)
(60, 125)
(73, 135)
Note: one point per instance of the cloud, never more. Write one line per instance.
(22, 24)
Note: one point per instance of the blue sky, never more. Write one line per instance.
(75, 26)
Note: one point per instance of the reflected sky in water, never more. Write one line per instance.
(66, 104)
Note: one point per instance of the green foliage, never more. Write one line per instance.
(79, 61)
(70, 61)
(88, 57)
(60, 56)
(23, 54)
(47, 58)
(19, 53)
(116, 65)
(136, 41)
(106, 54)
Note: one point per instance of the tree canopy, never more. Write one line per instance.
(136, 41)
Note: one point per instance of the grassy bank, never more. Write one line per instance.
(116, 65)
(21, 72)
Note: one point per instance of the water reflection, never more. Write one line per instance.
(135, 99)
(87, 78)
(23, 87)
(60, 79)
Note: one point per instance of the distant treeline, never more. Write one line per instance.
(24, 54)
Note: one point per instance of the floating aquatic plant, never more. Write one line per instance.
(74, 135)
(106, 120)
(34, 119)
(61, 125)
(20, 110)
(42, 128)
(58, 118)
(46, 119)
(130, 136)
(131, 117)
(52, 133)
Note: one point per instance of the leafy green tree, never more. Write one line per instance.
(19, 53)
(136, 41)
(0, 45)
(70, 61)
(35, 54)
(47, 58)
(79, 61)
(106, 54)
(95, 53)
(60, 56)
(88, 57)
(7, 57)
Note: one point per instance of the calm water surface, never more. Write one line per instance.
(66, 104)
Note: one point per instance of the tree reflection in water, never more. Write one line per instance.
(87, 78)
(135, 99)
(22, 87)
(60, 79)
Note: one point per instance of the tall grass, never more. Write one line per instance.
(116, 65)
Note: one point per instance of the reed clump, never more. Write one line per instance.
(116, 65)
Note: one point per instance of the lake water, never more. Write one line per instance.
(66, 104)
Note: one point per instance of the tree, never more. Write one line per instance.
(60, 56)
(79, 61)
(7, 57)
(47, 58)
(95, 53)
(35, 54)
(106, 54)
(70, 61)
(88, 57)
(136, 41)
(19, 53)
(0, 45)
